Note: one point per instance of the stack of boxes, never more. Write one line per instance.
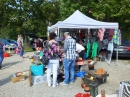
(37, 74)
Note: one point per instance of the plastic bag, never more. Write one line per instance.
(80, 74)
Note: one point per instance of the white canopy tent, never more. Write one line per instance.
(80, 21)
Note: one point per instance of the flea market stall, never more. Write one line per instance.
(81, 26)
(80, 22)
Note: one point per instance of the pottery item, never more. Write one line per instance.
(83, 85)
(86, 89)
(100, 71)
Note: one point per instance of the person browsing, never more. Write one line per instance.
(69, 59)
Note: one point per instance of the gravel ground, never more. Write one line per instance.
(15, 64)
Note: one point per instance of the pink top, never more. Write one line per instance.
(111, 33)
(101, 34)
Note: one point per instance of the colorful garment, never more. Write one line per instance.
(117, 37)
(111, 33)
(52, 51)
(88, 50)
(94, 49)
(101, 34)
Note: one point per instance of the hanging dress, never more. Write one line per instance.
(88, 49)
(110, 52)
(94, 49)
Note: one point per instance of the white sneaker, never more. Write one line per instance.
(62, 83)
(55, 85)
(49, 85)
(71, 82)
(108, 62)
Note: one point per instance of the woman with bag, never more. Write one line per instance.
(20, 45)
(53, 53)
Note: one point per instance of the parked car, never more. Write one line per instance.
(123, 49)
(8, 41)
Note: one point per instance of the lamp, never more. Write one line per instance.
(93, 89)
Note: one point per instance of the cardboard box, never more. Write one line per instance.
(18, 79)
(39, 79)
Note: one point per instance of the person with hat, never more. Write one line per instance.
(69, 58)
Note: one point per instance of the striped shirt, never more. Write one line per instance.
(70, 48)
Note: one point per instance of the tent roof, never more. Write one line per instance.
(54, 26)
(79, 20)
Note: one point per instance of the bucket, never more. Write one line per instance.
(90, 66)
(37, 70)
(6, 55)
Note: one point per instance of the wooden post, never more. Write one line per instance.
(30, 77)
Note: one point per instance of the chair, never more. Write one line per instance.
(124, 90)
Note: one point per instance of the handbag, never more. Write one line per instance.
(45, 60)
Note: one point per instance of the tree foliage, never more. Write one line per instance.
(103, 10)
(33, 16)
(27, 16)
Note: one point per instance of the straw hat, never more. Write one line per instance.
(100, 71)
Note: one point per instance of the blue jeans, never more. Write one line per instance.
(21, 52)
(69, 71)
(1, 59)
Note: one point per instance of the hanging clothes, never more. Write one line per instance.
(111, 33)
(99, 46)
(117, 37)
(88, 49)
(101, 34)
(80, 35)
(94, 49)
(110, 52)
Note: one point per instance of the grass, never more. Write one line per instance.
(28, 49)
(129, 61)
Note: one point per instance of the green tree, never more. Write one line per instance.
(103, 10)
(27, 16)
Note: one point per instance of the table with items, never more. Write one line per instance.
(10, 47)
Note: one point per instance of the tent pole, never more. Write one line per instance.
(88, 30)
(58, 32)
(117, 56)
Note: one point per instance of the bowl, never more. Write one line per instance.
(83, 85)
(86, 89)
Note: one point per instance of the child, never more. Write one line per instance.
(17, 51)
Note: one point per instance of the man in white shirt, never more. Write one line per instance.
(79, 48)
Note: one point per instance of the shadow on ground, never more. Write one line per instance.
(5, 81)
(8, 79)
(7, 65)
